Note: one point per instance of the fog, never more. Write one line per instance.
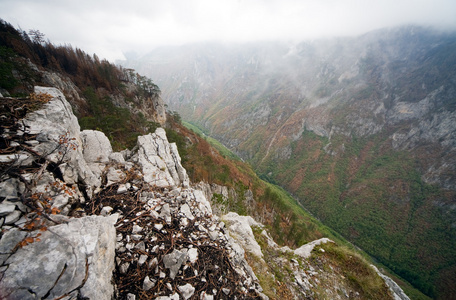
(112, 28)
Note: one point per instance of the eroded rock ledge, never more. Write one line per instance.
(77, 216)
(79, 221)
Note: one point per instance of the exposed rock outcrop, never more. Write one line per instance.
(73, 259)
(81, 221)
(56, 179)
(46, 255)
(307, 274)
(151, 106)
(160, 161)
(395, 289)
(63, 84)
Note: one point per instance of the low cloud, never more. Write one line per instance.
(110, 28)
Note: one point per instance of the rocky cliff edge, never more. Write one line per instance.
(79, 221)
(76, 216)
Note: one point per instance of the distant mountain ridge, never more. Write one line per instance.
(255, 81)
(361, 130)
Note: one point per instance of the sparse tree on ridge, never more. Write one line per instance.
(36, 36)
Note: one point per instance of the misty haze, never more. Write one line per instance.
(228, 149)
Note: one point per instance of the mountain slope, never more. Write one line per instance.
(361, 130)
(49, 167)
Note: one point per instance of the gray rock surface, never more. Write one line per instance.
(305, 275)
(306, 249)
(160, 161)
(96, 146)
(174, 261)
(395, 289)
(58, 134)
(186, 290)
(73, 257)
(6, 209)
(240, 228)
(9, 188)
(164, 232)
(62, 83)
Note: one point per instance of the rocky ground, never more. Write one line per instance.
(79, 221)
(73, 212)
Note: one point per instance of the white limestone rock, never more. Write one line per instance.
(165, 213)
(203, 204)
(12, 217)
(176, 168)
(174, 296)
(106, 210)
(69, 173)
(17, 158)
(62, 83)
(142, 259)
(238, 242)
(192, 255)
(117, 157)
(6, 209)
(9, 188)
(240, 229)
(186, 290)
(114, 175)
(174, 261)
(306, 249)
(185, 210)
(58, 134)
(160, 161)
(58, 263)
(96, 145)
(395, 289)
(148, 284)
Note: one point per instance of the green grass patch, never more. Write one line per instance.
(120, 125)
(356, 269)
(225, 152)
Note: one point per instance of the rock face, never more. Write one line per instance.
(58, 137)
(151, 106)
(45, 254)
(53, 247)
(79, 217)
(97, 146)
(240, 228)
(160, 160)
(306, 274)
(393, 286)
(63, 84)
(74, 259)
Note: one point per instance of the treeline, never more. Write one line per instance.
(83, 69)
(97, 80)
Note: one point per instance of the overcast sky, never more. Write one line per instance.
(110, 28)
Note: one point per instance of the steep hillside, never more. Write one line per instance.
(70, 204)
(361, 130)
(118, 101)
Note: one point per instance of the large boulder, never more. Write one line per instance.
(160, 161)
(58, 136)
(75, 259)
(240, 228)
(96, 146)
